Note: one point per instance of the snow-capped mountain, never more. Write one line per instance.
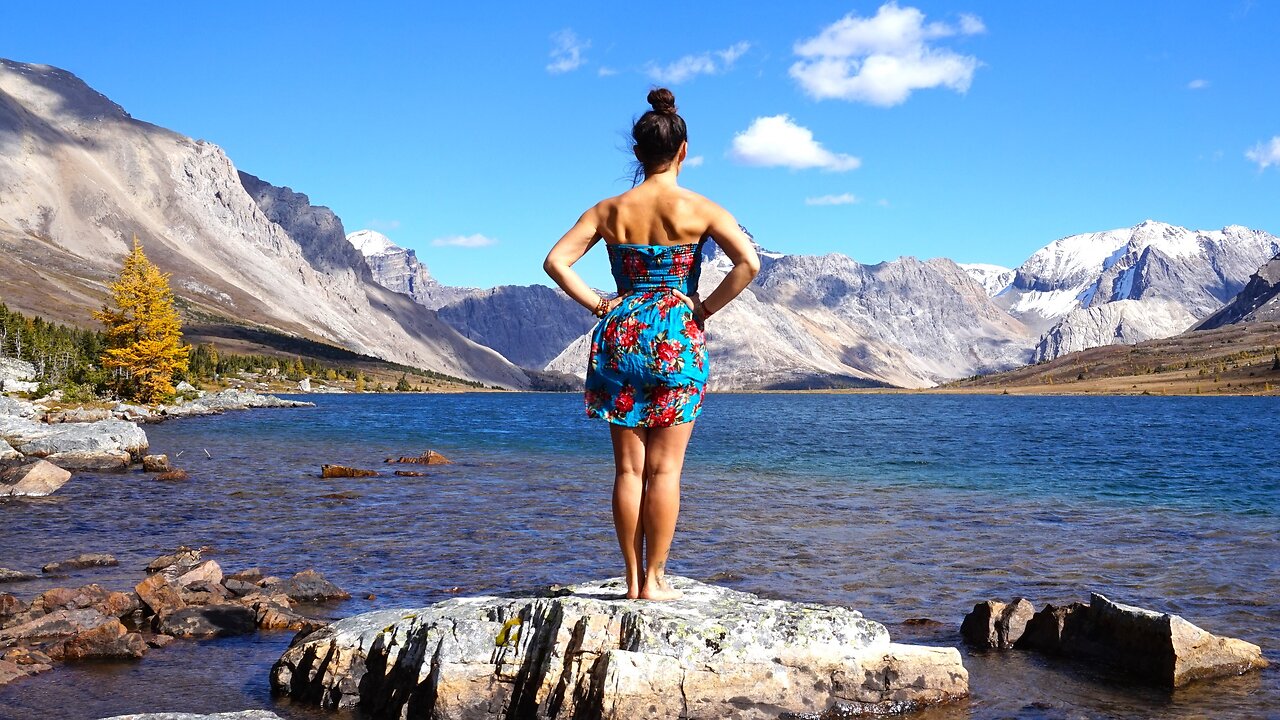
(398, 269)
(79, 178)
(824, 321)
(993, 278)
(1196, 270)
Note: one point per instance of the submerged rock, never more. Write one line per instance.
(430, 457)
(307, 586)
(993, 624)
(81, 561)
(7, 575)
(34, 478)
(342, 471)
(208, 621)
(109, 641)
(1152, 647)
(584, 651)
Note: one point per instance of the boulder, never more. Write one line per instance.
(93, 461)
(173, 475)
(108, 641)
(59, 623)
(993, 624)
(341, 471)
(34, 478)
(160, 594)
(81, 561)
(156, 463)
(274, 616)
(17, 408)
(10, 606)
(304, 385)
(430, 457)
(8, 576)
(107, 602)
(218, 620)
(76, 415)
(206, 572)
(177, 562)
(1143, 645)
(585, 651)
(307, 586)
(7, 452)
(20, 662)
(242, 715)
(105, 438)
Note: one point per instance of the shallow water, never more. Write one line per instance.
(900, 506)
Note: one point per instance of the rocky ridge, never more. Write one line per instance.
(583, 651)
(1259, 301)
(79, 178)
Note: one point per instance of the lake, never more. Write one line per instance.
(901, 506)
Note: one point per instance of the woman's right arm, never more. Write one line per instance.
(569, 250)
(737, 246)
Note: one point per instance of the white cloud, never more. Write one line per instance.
(881, 60)
(1265, 153)
(707, 63)
(1198, 84)
(566, 52)
(693, 161)
(384, 224)
(464, 241)
(882, 202)
(841, 199)
(778, 142)
(606, 71)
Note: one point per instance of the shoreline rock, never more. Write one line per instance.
(33, 478)
(1133, 643)
(584, 651)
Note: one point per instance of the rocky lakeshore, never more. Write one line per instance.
(40, 440)
(585, 651)
(184, 595)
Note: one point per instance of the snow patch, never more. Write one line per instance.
(371, 242)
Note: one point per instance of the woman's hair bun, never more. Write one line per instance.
(663, 101)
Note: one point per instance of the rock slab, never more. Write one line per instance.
(36, 478)
(585, 651)
(1152, 647)
(245, 715)
(993, 624)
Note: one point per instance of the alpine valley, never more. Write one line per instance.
(80, 177)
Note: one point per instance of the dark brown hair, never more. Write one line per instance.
(658, 134)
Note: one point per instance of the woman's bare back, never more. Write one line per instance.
(654, 214)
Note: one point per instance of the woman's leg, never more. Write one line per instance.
(628, 490)
(663, 461)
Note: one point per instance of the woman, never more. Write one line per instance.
(648, 361)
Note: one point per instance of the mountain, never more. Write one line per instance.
(528, 324)
(993, 278)
(829, 321)
(1259, 301)
(79, 178)
(1155, 265)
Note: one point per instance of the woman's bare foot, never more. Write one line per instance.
(635, 587)
(656, 588)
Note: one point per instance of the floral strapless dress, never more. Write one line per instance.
(648, 360)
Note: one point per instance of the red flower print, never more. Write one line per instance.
(681, 261)
(667, 417)
(625, 401)
(634, 266)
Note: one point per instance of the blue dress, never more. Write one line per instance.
(648, 360)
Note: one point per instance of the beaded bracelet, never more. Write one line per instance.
(601, 308)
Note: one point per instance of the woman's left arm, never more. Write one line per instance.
(569, 250)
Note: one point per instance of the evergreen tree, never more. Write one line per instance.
(143, 332)
(1275, 362)
(402, 385)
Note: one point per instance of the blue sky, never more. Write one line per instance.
(477, 132)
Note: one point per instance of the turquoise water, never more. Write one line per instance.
(902, 506)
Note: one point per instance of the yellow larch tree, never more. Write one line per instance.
(144, 334)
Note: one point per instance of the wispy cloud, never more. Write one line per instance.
(694, 161)
(566, 52)
(606, 71)
(1198, 84)
(384, 224)
(776, 141)
(881, 60)
(464, 241)
(841, 199)
(882, 202)
(690, 66)
(1265, 153)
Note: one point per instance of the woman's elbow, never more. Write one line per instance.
(550, 266)
(752, 264)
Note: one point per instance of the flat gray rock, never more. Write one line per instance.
(33, 478)
(585, 651)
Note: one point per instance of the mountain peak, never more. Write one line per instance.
(372, 242)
